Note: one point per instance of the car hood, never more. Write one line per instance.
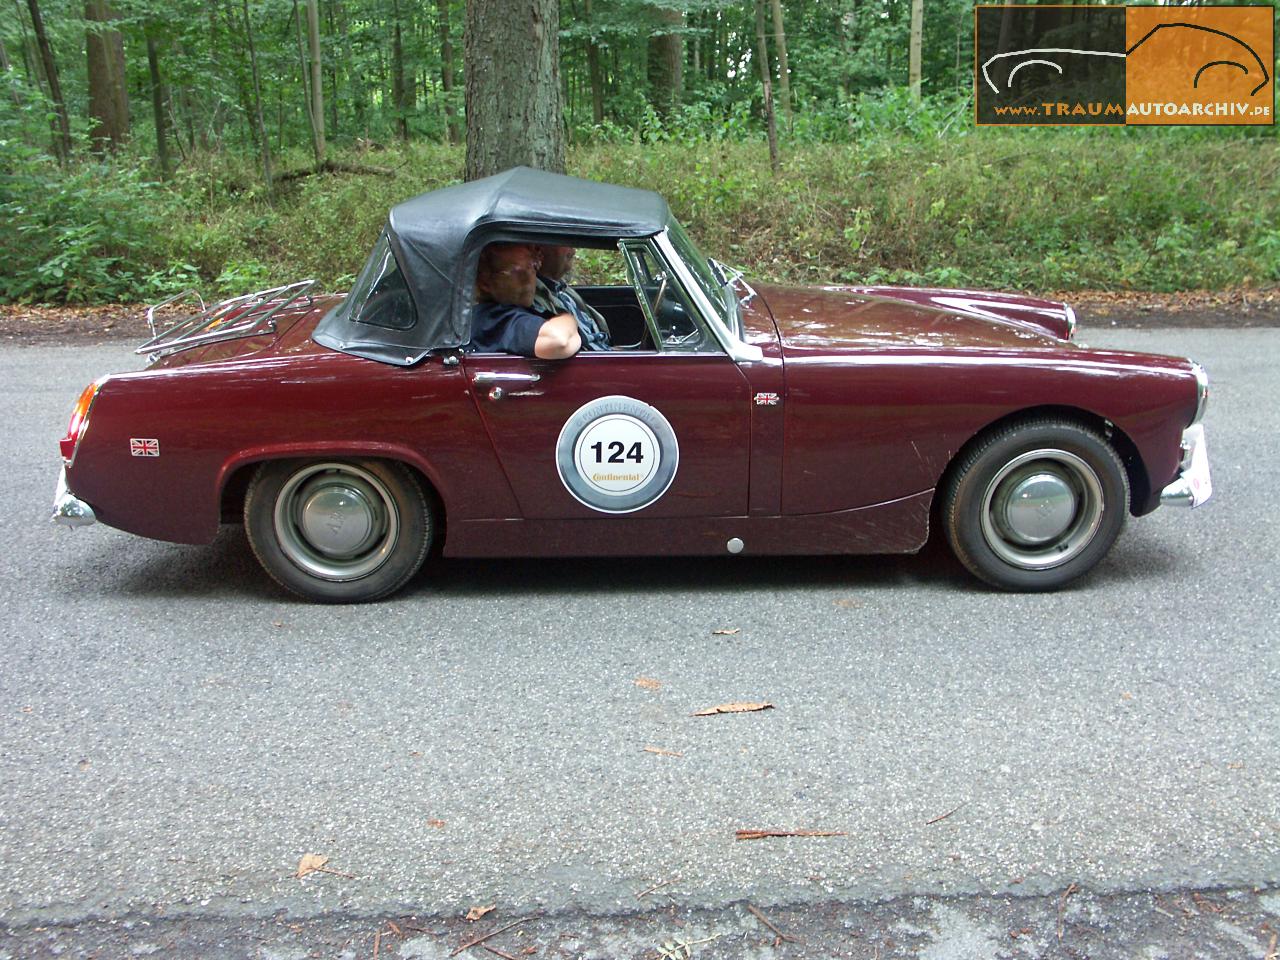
(851, 317)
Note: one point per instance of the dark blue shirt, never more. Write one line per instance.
(504, 328)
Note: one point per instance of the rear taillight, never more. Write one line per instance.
(79, 420)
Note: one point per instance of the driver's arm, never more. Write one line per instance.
(558, 338)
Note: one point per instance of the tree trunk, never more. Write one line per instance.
(398, 95)
(784, 73)
(511, 57)
(60, 128)
(333, 70)
(446, 71)
(317, 81)
(257, 99)
(666, 60)
(763, 56)
(594, 73)
(917, 33)
(157, 106)
(108, 98)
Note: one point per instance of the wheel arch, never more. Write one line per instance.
(238, 473)
(1139, 481)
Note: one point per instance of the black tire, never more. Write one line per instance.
(338, 531)
(1035, 504)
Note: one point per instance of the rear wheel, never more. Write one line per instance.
(338, 531)
(1034, 505)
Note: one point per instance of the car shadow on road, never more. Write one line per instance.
(227, 569)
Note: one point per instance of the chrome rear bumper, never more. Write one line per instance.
(1193, 485)
(68, 509)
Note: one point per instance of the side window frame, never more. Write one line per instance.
(633, 251)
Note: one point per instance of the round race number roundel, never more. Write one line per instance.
(616, 454)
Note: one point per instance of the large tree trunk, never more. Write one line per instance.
(108, 98)
(511, 57)
(784, 73)
(594, 74)
(917, 34)
(61, 129)
(666, 60)
(317, 81)
(762, 54)
(157, 105)
(446, 71)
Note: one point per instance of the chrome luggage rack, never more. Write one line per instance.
(245, 316)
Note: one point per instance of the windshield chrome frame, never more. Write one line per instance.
(729, 341)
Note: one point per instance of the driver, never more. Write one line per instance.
(502, 321)
(554, 295)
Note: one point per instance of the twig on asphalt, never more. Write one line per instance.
(499, 953)
(782, 937)
(1062, 907)
(762, 834)
(1271, 949)
(481, 939)
(648, 890)
(947, 814)
(377, 944)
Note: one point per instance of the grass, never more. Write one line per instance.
(1110, 209)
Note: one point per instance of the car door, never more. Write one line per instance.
(656, 432)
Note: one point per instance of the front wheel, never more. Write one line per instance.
(341, 531)
(1034, 505)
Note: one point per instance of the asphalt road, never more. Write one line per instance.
(175, 734)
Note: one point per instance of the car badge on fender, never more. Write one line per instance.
(767, 399)
(144, 448)
(617, 454)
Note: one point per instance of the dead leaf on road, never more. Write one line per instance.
(475, 913)
(732, 708)
(662, 753)
(438, 824)
(727, 632)
(648, 683)
(848, 603)
(762, 834)
(315, 863)
(310, 863)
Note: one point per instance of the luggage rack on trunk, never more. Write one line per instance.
(245, 316)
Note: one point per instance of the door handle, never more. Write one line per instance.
(490, 376)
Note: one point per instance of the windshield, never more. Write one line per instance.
(721, 297)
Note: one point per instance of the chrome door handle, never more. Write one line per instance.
(490, 376)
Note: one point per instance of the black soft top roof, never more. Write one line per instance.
(437, 238)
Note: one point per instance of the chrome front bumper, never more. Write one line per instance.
(1193, 485)
(69, 510)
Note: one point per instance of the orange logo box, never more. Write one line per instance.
(1200, 65)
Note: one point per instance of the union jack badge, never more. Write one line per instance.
(767, 399)
(144, 448)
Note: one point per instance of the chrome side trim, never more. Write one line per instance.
(1202, 390)
(740, 352)
(68, 509)
(1193, 485)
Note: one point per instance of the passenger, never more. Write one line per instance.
(554, 295)
(502, 321)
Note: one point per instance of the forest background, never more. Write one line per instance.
(147, 147)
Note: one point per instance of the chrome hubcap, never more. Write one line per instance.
(336, 521)
(1042, 509)
(1039, 508)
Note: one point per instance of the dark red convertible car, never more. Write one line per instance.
(354, 435)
